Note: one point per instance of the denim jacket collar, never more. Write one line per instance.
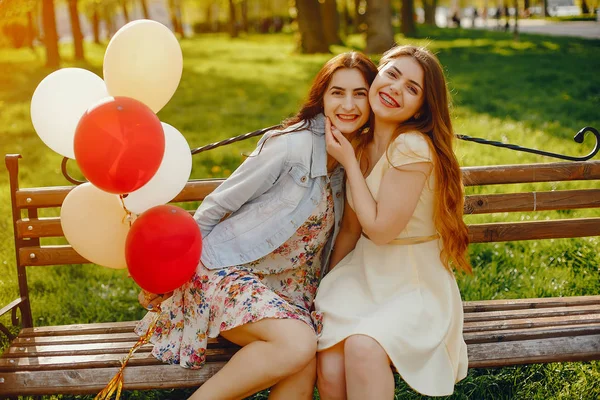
(319, 153)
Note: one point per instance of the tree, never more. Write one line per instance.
(175, 13)
(311, 34)
(50, 35)
(331, 22)
(407, 26)
(429, 7)
(584, 7)
(31, 31)
(17, 22)
(244, 15)
(145, 9)
(233, 31)
(76, 30)
(125, 12)
(380, 34)
(360, 14)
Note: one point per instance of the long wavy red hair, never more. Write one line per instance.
(434, 121)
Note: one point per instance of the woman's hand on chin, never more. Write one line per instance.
(337, 145)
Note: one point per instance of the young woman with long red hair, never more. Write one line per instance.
(394, 301)
(267, 235)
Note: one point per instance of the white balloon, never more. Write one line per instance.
(171, 177)
(143, 61)
(96, 225)
(58, 103)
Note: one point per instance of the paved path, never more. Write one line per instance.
(584, 29)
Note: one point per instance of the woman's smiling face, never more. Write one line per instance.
(397, 92)
(346, 100)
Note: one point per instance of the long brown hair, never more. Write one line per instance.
(313, 105)
(434, 121)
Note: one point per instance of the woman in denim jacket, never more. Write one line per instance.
(267, 235)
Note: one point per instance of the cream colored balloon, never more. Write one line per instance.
(143, 61)
(94, 222)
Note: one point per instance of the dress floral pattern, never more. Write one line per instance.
(213, 301)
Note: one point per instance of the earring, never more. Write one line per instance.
(417, 116)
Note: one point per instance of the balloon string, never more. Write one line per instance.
(116, 383)
(128, 214)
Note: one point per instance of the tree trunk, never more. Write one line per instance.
(30, 30)
(346, 17)
(76, 30)
(380, 34)
(311, 33)
(585, 9)
(96, 25)
(408, 27)
(233, 31)
(429, 7)
(331, 22)
(50, 35)
(179, 16)
(360, 19)
(109, 24)
(244, 12)
(145, 9)
(125, 12)
(545, 10)
(173, 16)
(516, 30)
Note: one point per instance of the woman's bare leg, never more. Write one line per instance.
(299, 386)
(331, 374)
(368, 371)
(273, 349)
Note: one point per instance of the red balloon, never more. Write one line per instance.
(163, 248)
(119, 145)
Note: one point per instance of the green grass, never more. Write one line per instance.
(537, 92)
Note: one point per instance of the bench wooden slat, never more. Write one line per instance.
(534, 230)
(579, 348)
(531, 333)
(480, 233)
(535, 313)
(79, 329)
(474, 204)
(533, 201)
(54, 196)
(522, 323)
(74, 349)
(122, 347)
(39, 227)
(91, 381)
(96, 360)
(470, 307)
(522, 304)
(49, 255)
(75, 339)
(489, 175)
(528, 173)
(196, 190)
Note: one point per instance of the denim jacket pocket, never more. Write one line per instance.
(297, 184)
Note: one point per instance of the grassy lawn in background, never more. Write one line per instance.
(537, 92)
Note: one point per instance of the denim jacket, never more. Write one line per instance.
(268, 197)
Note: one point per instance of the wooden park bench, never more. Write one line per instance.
(82, 358)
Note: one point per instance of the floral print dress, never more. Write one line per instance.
(213, 301)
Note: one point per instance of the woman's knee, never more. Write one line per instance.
(297, 343)
(331, 380)
(362, 350)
